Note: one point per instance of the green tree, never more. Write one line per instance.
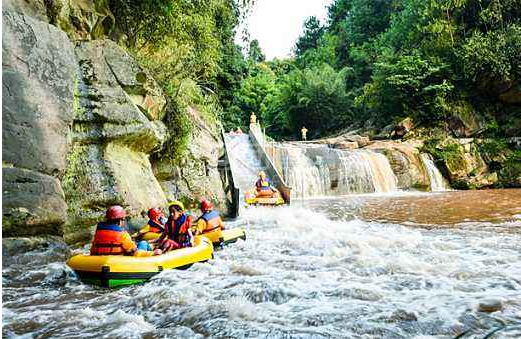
(316, 98)
(255, 52)
(409, 85)
(310, 37)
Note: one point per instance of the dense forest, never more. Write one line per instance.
(384, 60)
(448, 65)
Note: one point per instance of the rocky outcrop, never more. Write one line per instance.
(404, 158)
(196, 175)
(82, 20)
(113, 137)
(38, 73)
(32, 204)
(81, 121)
(32, 8)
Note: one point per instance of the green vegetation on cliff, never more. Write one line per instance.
(189, 48)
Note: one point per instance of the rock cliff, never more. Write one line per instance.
(82, 119)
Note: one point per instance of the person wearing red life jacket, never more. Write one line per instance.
(111, 237)
(210, 219)
(177, 232)
(154, 227)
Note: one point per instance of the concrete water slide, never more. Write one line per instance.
(245, 157)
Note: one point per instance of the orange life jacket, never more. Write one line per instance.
(107, 239)
(212, 219)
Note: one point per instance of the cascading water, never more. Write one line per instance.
(321, 171)
(437, 182)
(244, 160)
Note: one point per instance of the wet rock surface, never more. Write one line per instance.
(490, 305)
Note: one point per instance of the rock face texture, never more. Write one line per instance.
(198, 176)
(81, 121)
(112, 138)
(404, 158)
(38, 73)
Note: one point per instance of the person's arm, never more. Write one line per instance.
(128, 245)
(139, 234)
(201, 226)
(160, 239)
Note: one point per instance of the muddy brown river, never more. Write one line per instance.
(401, 265)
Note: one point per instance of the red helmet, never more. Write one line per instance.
(115, 212)
(154, 213)
(206, 205)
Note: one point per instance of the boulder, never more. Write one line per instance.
(402, 128)
(483, 180)
(360, 140)
(405, 161)
(32, 203)
(490, 305)
(345, 145)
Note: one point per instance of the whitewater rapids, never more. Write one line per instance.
(300, 274)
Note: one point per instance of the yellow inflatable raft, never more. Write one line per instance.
(251, 199)
(117, 270)
(221, 238)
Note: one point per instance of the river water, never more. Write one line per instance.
(364, 266)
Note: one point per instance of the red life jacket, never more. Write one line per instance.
(107, 239)
(178, 230)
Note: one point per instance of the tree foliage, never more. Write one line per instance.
(380, 60)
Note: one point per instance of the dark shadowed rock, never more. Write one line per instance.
(32, 203)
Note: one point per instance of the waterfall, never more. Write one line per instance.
(316, 170)
(437, 181)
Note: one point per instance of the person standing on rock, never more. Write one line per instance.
(304, 132)
(253, 118)
(111, 238)
(210, 220)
